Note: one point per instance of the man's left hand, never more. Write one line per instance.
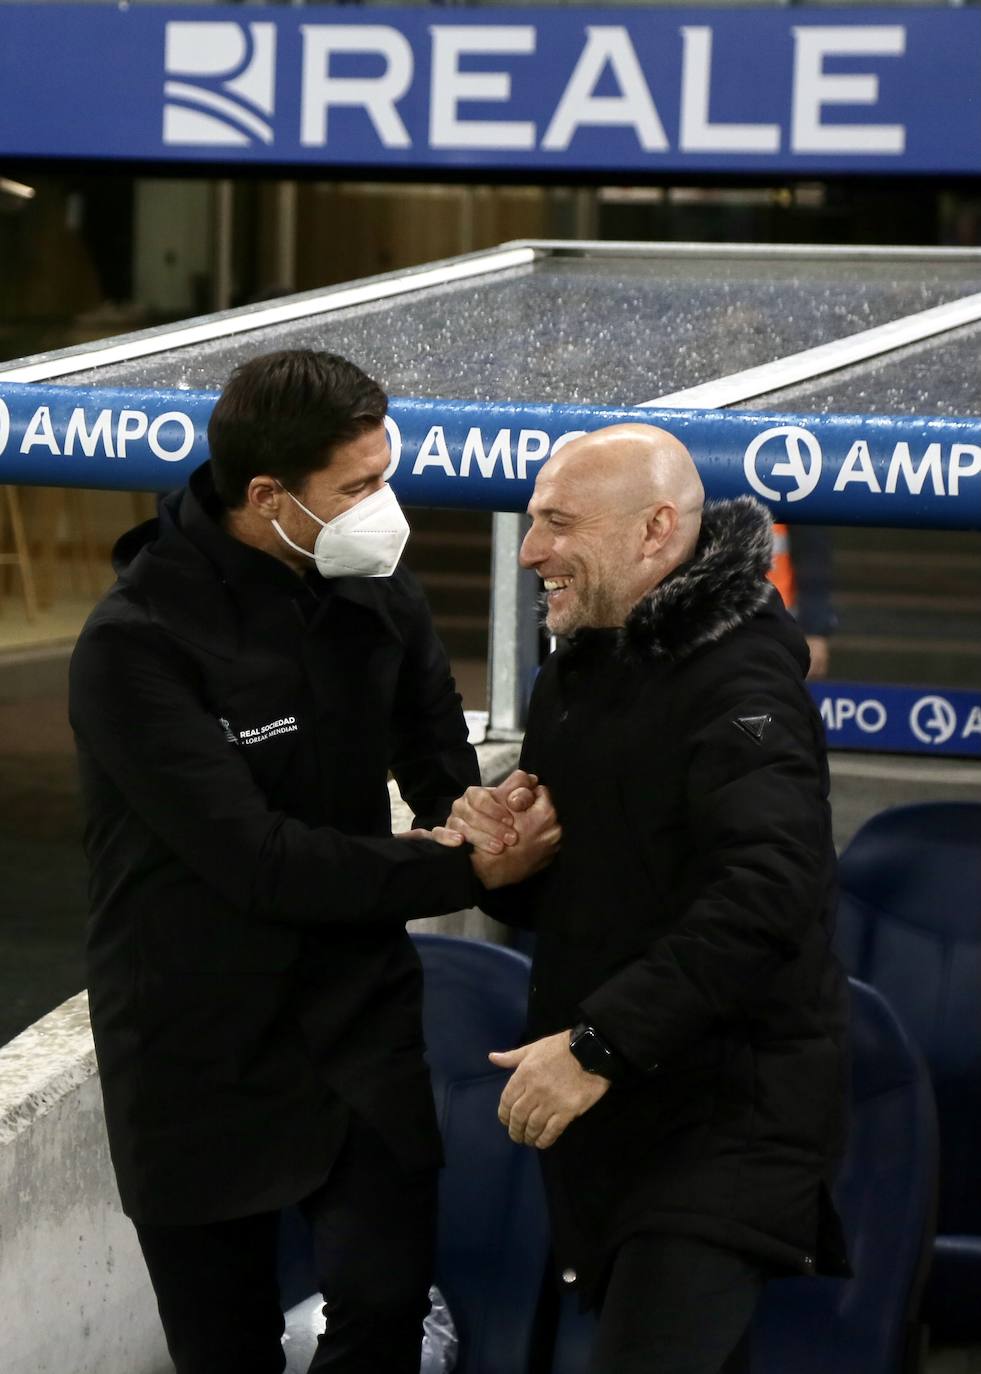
(548, 1089)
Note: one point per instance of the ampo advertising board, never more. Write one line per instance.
(906, 471)
(884, 470)
(908, 720)
(798, 90)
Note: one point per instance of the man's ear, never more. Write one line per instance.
(265, 497)
(662, 521)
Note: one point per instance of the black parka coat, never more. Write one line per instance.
(689, 917)
(250, 977)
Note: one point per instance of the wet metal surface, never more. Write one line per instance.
(603, 329)
(940, 376)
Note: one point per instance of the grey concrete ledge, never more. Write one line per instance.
(42, 1065)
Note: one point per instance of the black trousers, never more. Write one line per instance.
(374, 1239)
(676, 1305)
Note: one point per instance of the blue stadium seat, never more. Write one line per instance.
(910, 923)
(886, 1195)
(493, 1230)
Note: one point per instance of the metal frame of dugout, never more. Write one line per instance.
(835, 384)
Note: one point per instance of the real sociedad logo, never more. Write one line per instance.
(4, 426)
(220, 86)
(933, 720)
(802, 460)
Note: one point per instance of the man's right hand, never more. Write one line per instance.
(538, 838)
(485, 815)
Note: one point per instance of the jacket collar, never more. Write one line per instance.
(239, 564)
(190, 568)
(721, 586)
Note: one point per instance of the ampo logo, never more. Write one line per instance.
(226, 91)
(395, 444)
(4, 426)
(801, 461)
(933, 720)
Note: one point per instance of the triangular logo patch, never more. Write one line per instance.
(754, 726)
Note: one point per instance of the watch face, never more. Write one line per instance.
(590, 1050)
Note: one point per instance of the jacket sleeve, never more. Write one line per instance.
(138, 713)
(756, 875)
(432, 759)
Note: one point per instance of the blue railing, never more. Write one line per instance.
(921, 472)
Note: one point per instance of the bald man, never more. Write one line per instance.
(683, 1076)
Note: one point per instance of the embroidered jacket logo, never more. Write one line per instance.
(259, 734)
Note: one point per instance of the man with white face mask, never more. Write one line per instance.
(239, 698)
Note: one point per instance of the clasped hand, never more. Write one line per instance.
(513, 829)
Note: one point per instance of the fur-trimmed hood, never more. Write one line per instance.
(721, 586)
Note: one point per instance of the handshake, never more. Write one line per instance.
(513, 829)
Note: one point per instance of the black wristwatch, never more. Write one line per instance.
(593, 1052)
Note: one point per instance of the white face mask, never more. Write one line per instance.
(365, 541)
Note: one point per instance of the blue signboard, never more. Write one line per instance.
(901, 720)
(907, 471)
(622, 90)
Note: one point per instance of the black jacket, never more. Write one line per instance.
(688, 917)
(250, 977)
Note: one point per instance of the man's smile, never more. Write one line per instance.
(555, 585)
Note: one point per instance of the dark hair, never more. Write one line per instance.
(283, 413)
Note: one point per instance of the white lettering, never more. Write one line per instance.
(845, 711)
(451, 86)
(40, 433)
(258, 734)
(796, 441)
(634, 107)
(857, 467)
(155, 441)
(4, 426)
(814, 88)
(433, 453)
(90, 439)
(132, 424)
(532, 448)
(564, 439)
(376, 95)
(870, 716)
(929, 466)
(972, 726)
(959, 468)
(698, 134)
(473, 447)
(933, 720)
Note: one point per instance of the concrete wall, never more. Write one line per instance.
(74, 1293)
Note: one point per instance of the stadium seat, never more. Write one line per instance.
(886, 1194)
(493, 1232)
(910, 924)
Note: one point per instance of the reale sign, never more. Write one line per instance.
(742, 90)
